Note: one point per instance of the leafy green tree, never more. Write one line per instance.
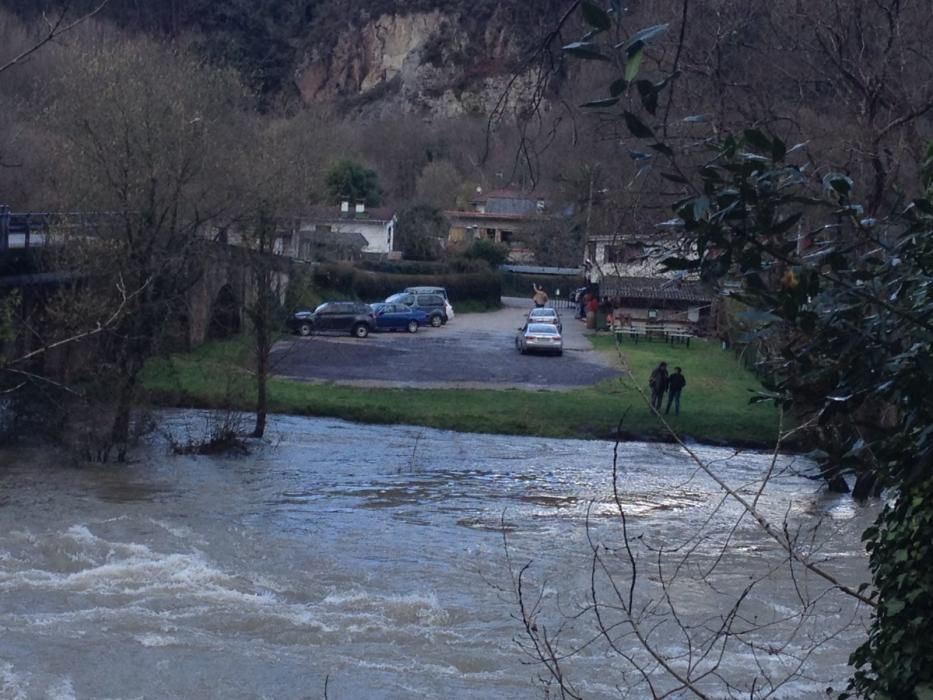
(483, 249)
(355, 183)
(419, 232)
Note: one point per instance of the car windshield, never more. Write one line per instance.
(320, 308)
(544, 313)
(379, 307)
(399, 298)
(542, 329)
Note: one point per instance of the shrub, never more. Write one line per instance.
(493, 253)
(345, 281)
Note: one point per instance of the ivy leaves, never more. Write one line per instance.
(627, 55)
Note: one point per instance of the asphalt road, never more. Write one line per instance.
(472, 351)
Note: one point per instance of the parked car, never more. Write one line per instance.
(432, 304)
(391, 317)
(435, 290)
(545, 314)
(334, 316)
(539, 337)
(427, 290)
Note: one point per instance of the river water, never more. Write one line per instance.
(370, 562)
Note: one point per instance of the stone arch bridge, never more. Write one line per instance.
(213, 306)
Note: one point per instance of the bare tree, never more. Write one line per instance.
(775, 609)
(144, 133)
(56, 25)
(276, 169)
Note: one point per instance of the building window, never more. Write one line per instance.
(507, 236)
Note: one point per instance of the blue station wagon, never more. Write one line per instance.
(395, 317)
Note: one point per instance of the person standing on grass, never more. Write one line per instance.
(675, 384)
(658, 384)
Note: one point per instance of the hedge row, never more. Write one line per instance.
(425, 267)
(347, 281)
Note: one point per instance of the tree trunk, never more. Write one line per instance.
(120, 433)
(262, 376)
(866, 486)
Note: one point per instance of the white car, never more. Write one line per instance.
(539, 337)
(545, 314)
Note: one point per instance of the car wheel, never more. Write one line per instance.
(436, 321)
(412, 326)
(360, 330)
(305, 329)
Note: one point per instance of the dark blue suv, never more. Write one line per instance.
(334, 316)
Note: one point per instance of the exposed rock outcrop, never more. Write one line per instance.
(435, 62)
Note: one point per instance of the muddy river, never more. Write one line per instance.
(355, 561)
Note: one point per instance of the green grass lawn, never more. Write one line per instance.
(715, 401)
(714, 404)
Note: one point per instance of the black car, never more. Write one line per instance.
(433, 305)
(334, 316)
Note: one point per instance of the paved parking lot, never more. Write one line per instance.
(473, 350)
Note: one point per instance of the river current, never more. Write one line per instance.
(358, 561)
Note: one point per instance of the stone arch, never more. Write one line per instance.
(225, 318)
(177, 332)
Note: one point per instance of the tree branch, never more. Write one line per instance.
(55, 30)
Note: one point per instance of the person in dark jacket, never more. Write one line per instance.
(675, 384)
(658, 384)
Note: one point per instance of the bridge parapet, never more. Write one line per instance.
(21, 231)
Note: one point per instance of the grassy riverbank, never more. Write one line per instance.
(716, 398)
(715, 404)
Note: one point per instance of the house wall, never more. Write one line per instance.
(639, 266)
(380, 236)
(639, 314)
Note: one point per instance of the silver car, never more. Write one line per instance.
(545, 314)
(539, 337)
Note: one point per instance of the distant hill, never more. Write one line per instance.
(443, 57)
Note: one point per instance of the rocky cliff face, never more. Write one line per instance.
(434, 62)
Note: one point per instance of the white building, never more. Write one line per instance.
(618, 255)
(344, 231)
